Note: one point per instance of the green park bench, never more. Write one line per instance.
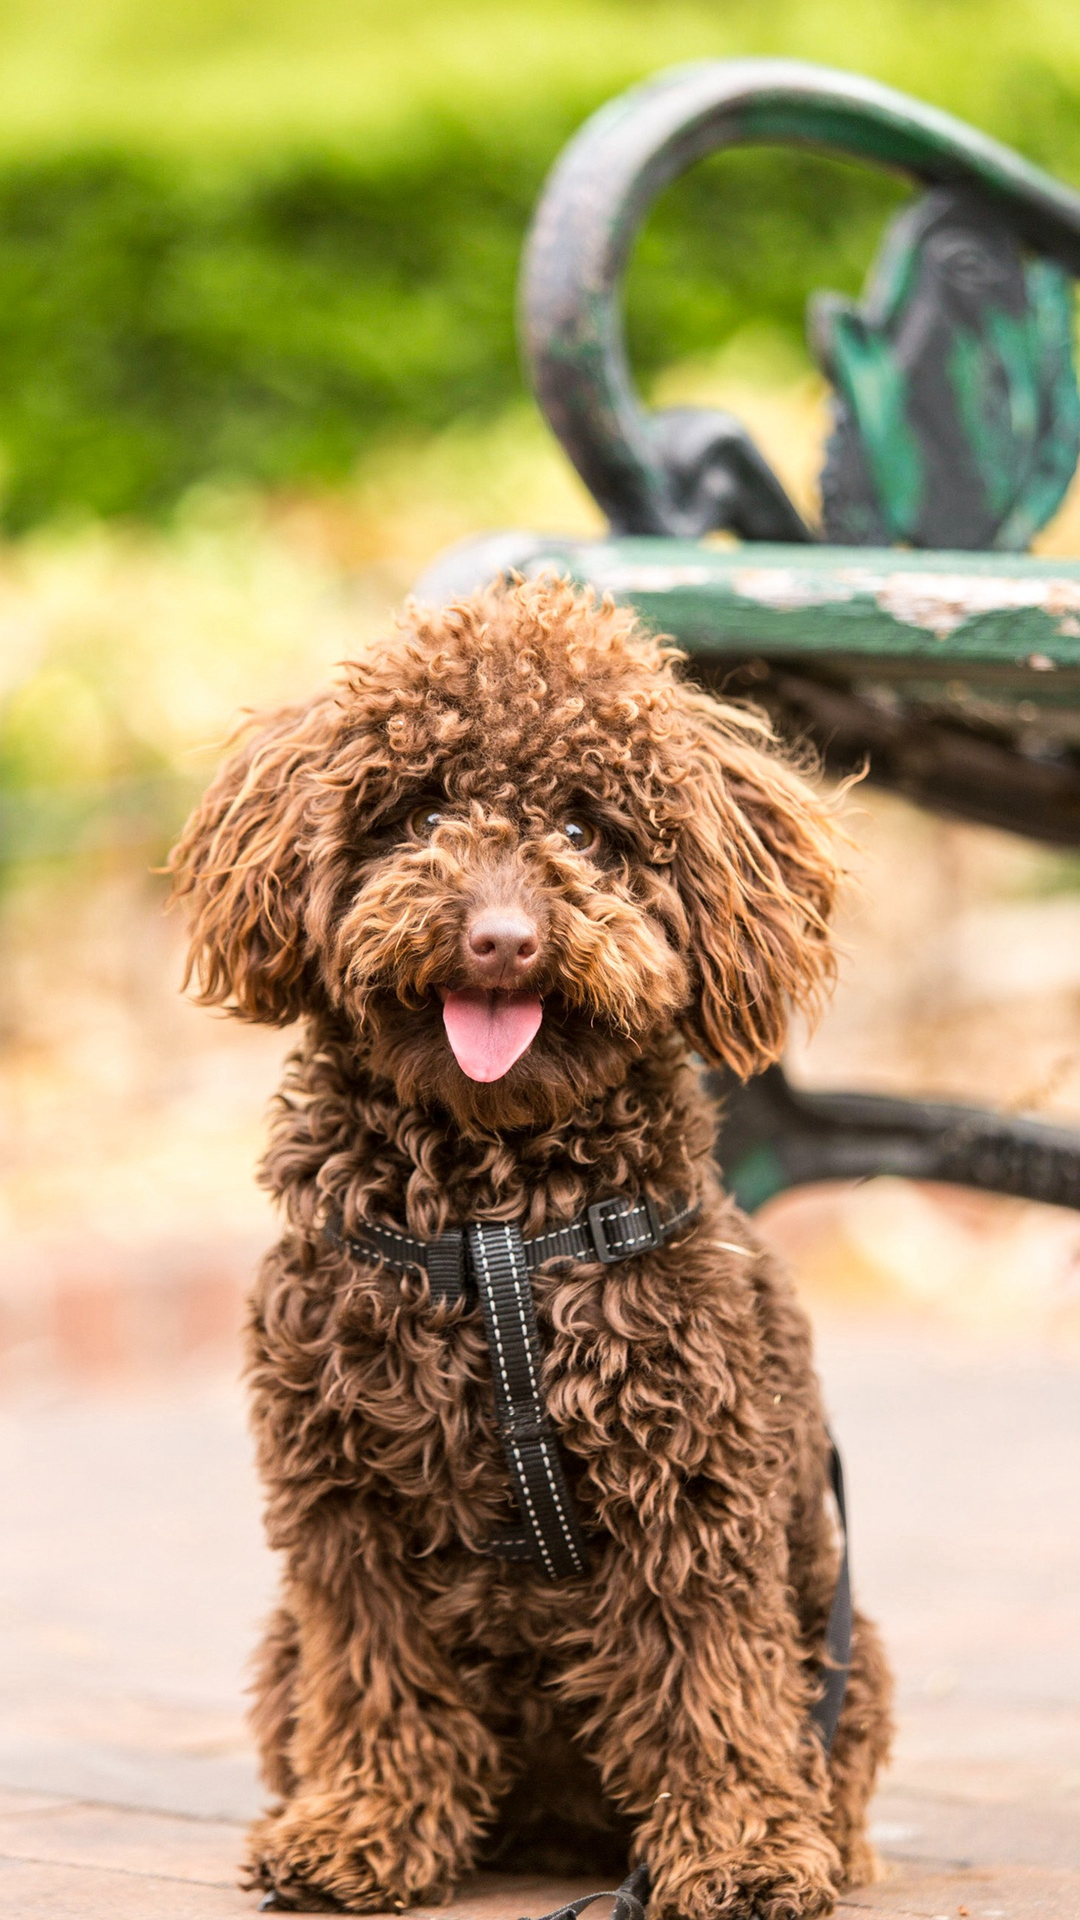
(913, 632)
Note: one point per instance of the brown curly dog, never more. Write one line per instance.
(510, 872)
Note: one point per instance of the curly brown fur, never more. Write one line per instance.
(421, 1707)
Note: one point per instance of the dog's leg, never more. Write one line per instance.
(696, 1702)
(392, 1774)
(273, 1690)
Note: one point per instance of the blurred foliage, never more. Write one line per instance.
(127, 651)
(276, 326)
(125, 657)
(259, 241)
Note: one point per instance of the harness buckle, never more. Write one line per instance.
(610, 1250)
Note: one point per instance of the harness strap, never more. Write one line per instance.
(551, 1532)
(608, 1231)
(630, 1899)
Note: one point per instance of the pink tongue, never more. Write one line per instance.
(489, 1031)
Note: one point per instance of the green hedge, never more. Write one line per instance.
(273, 323)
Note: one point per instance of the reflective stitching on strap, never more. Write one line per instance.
(571, 1543)
(531, 1451)
(391, 1233)
(574, 1241)
(515, 1281)
(516, 1277)
(526, 1494)
(375, 1231)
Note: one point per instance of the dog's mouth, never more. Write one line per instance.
(489, 1029)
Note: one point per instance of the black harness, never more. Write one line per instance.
(491, 1260)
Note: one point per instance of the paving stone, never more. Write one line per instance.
(134, 1575)
(50, 1890)
(918, 1827)
(75, 1768)
(76, 1835)
(1016, 1893)
(36, 1890)
(18, 1802)
(505, 1896)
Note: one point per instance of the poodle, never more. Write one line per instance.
(519, 878)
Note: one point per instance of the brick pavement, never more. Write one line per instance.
(133, 1574)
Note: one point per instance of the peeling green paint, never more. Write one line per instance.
(926, 609)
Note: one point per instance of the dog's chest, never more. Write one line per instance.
(418, 1388)
(640, 1373)
(417, 1383)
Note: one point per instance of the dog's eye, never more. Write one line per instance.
(582, 836)
(424, 820)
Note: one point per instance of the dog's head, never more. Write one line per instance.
(509, 851)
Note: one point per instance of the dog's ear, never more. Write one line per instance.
(240, 867)
(757, 867)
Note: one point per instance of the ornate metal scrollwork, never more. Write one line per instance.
(957, 415)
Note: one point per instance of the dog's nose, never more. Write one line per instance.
(502, 943)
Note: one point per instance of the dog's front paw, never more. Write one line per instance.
(320, 1856)
(860, 1865)
(285, 1864)
(300, 1900)
(791, 1874)
(741, 1893)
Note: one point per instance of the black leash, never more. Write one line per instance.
(826, 1710)
(630, 1899)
